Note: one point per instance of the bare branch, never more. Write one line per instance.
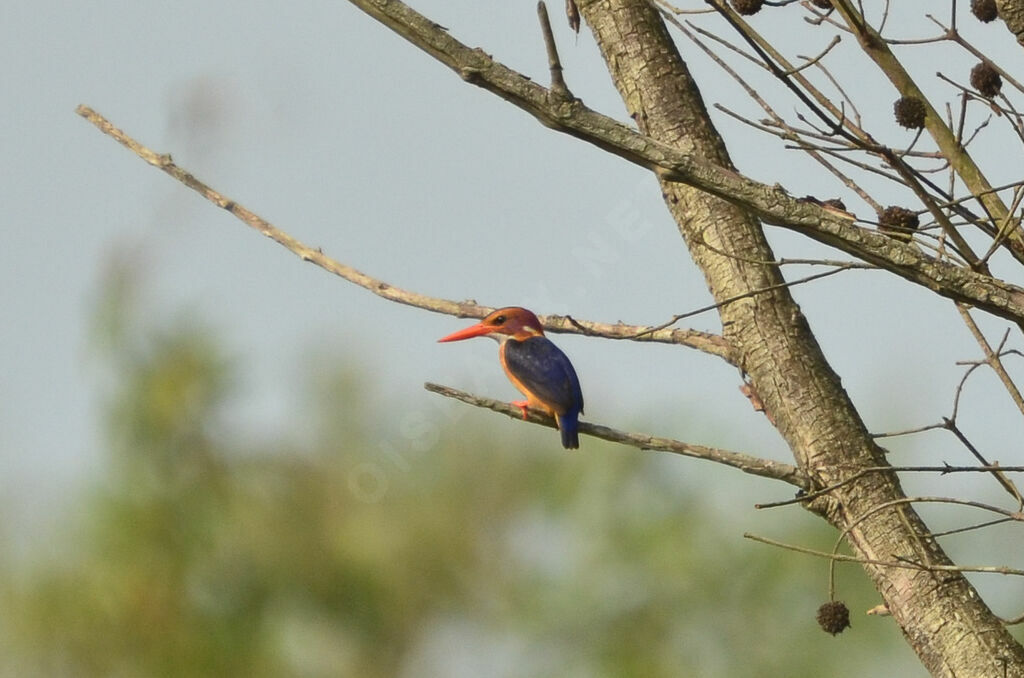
(558, 85)
(1003, 480)
(897, 504)
(757, 466)
(769, 203)
(941, 470)
(952, 34)
(761, 290)
(991, 569)
(856, 137)
(992, 358)
(909, 431)
(703, 341)
(970, 528)
(784, 129)
(877, 49)
(810, 61)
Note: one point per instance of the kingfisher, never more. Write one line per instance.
(535, 366)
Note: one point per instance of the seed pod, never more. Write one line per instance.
(747, 7)
(834, 617)
(898, 222)
(910, 112)
(984, 10)
(986, 80)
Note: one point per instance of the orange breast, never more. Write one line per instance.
(531, 399)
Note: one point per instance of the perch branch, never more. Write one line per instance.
(757, 466)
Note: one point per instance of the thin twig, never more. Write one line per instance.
(1009, 223)
(941, 470)
(953, 35)
(898, 504)
(761, 290)
(997, 473)
(969, 528)
(558, 85)
(789, 132)
(909, 431)
(992, 358)
(811, 61)
(844, 128)
(992, 569)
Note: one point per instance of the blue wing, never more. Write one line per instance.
(546, 372)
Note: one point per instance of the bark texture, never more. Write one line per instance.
(951, 629)
(1012, 12)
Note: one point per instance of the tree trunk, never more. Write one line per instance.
(951, 629)
(1012, 13)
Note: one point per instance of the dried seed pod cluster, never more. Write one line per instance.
(834, 617)
(984, 10)
(747, 7)
(910, 112)
(986, 80)
(898, 222)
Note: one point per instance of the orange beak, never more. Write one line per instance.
(477, 330)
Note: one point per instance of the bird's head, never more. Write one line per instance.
(505, 323)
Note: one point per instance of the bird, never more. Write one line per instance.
(535, 366)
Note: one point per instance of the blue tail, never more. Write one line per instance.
(569, 426)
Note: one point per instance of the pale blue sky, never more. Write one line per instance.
(348, 138)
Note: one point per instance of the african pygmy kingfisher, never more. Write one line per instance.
(535, 366)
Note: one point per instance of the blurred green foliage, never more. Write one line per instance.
(440, 551)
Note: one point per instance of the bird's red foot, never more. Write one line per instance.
(523, 405)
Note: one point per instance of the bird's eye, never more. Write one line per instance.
(500, 320)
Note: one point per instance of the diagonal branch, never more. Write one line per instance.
(703, 341)
(771, 204)
(757, 466)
